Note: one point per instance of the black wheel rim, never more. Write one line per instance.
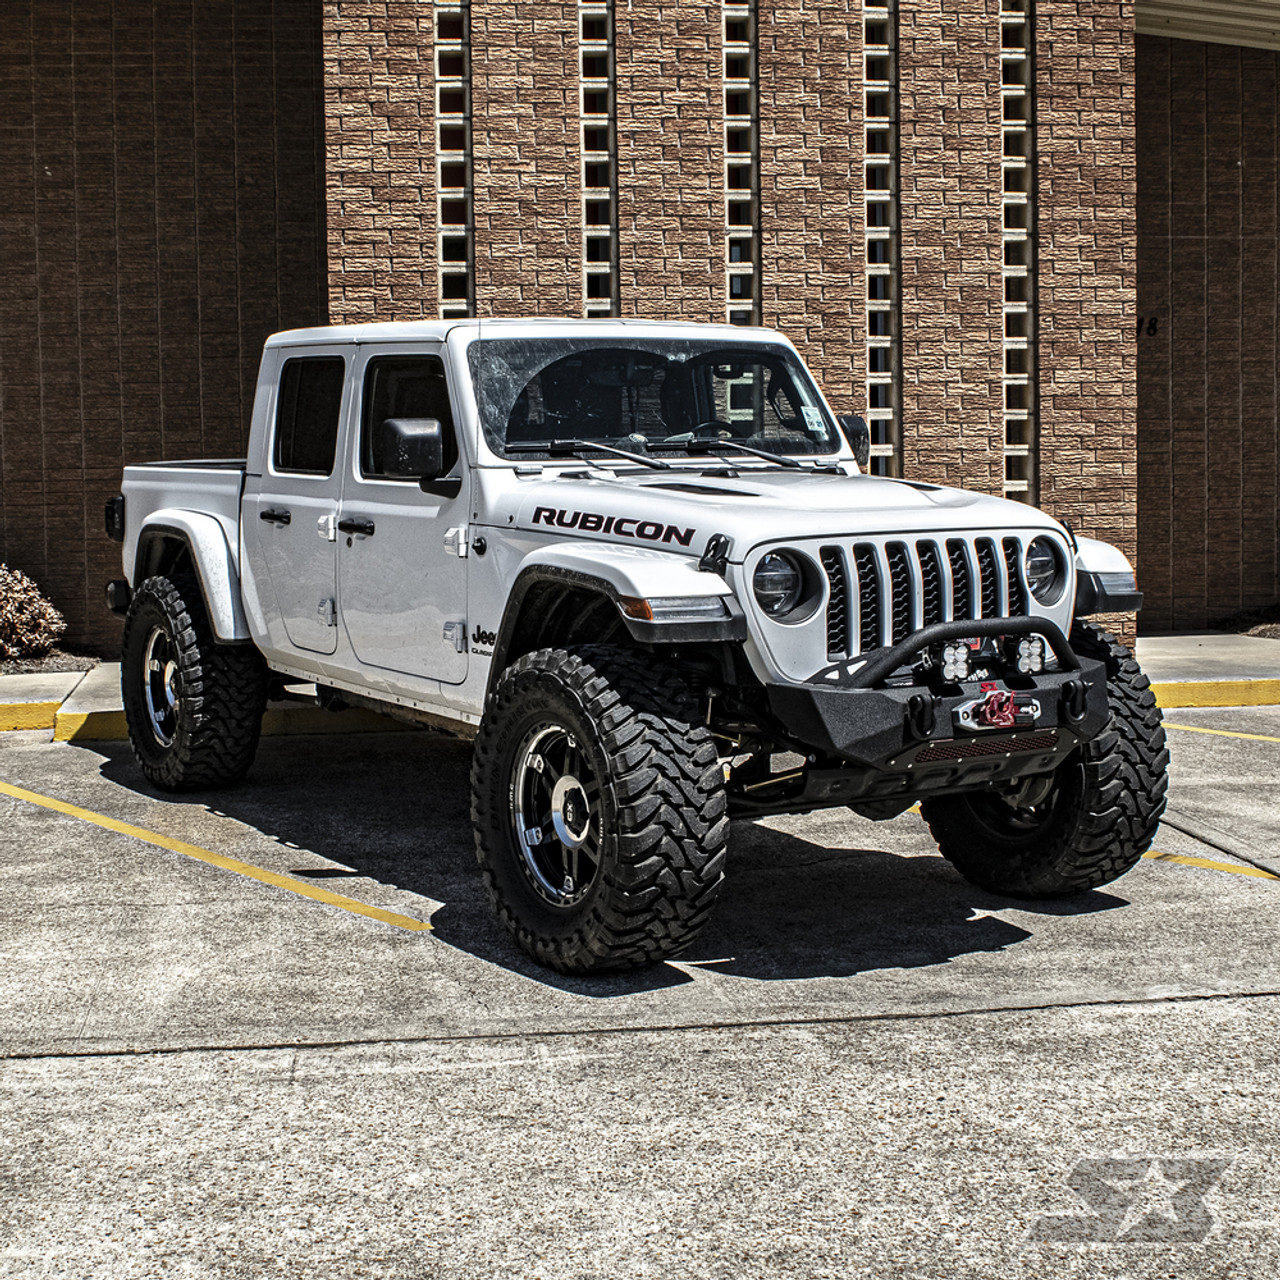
(160, 686)
(1015, 815)
(556, 814)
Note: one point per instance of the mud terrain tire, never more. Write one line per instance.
(193, 707)
(1097, 819)
(599, 809)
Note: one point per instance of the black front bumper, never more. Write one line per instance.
(898, 742)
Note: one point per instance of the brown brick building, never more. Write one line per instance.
(1038, 247)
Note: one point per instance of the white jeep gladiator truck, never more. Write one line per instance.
(641, 564)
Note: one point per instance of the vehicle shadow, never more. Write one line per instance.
(395, 808)
(794, 909)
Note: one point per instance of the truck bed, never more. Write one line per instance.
(210, 487)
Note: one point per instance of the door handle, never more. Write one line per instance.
(356, 524)
(274, 515)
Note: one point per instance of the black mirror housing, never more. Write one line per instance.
(410, 448)
(858, 435)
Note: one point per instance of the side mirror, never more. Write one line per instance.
(858, 434)
(410, 448)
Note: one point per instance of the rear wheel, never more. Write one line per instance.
(599, 810)
(193, 706)
(1085, 824)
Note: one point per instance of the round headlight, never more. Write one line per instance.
(1046, 573)
(778, 583)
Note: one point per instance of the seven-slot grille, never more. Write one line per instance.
(880, 594)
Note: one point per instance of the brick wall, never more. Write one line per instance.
(527, 174)
(671, 205)
(1086, 196)
(379, 106)
(162, 215)
(1208, 208)
(811, 187)
(952, 293)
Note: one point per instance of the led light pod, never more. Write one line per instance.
(1030, 659)
(955, 661)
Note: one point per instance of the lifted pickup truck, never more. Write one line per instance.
(641, 565)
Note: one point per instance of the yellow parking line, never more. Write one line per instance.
(300, 887)
(1221, 733)
(1211, 866)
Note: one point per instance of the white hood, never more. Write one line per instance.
(679, 510)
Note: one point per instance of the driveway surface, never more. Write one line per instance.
(865, 1067)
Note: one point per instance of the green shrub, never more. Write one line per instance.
(29, 625)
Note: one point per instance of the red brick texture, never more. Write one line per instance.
(1087, 192)
(163, 213)
(1208, 276)
(952, 292)
(811, 187)
(527, 166)
(671, 182)
(379, 105)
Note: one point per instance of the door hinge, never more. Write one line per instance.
(455, 541)
(327, 527)
(327, 612)
(455, 633)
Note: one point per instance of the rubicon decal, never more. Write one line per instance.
(619, 526)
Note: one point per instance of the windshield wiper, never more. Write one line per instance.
(575, 449)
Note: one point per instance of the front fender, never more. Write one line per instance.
(627, 577)
(630, 571)
(214, 560)
(1105, 581)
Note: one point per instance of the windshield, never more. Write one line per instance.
(646, 395)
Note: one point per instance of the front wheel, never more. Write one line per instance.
(193, 706)
(1085, 824)
(599, 809)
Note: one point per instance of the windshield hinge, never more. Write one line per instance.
(715, 559)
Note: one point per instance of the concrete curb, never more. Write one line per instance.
(85, 707)
(1217, 693)
(33, 701)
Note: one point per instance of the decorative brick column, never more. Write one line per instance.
(811, 190)
(1087, 198)
(527, 182)
(952, 291)
(380, 160)
(671, 195)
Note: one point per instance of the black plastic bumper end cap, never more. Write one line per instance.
(118, 596)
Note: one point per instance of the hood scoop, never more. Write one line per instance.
(716, 491)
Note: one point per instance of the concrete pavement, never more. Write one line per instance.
(865, 1067)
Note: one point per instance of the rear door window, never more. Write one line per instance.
(308, 409)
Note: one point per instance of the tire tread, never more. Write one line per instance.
(224, 692)
(668, 788)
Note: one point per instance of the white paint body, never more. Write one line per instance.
(379, 615)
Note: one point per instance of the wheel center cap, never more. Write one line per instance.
(570, 812)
